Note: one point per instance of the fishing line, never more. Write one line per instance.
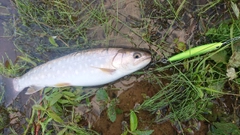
(230, 40)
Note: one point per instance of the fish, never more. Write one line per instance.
(86, 68)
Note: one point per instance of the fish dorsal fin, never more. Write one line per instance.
(106, 70)
(33, 89)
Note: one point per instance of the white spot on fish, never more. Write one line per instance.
(49, 66)
(48, 75)
(58, 71)
(45, 70)
(76, 72)
(35, 78)
(42, 76)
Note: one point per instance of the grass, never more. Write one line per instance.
(186, 95)
(194, 84)
(56, 110)
(49, 29)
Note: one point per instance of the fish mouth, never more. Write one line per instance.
(147, 58)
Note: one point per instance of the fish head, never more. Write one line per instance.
(131, 59)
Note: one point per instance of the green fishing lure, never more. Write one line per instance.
(196, 51)
(200, 50)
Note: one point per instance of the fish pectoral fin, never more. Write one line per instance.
(106, 70)
(33, 89)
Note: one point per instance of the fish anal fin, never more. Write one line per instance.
(106, 70)
(33, 89)
(62, 84)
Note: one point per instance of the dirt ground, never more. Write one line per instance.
(128, 99)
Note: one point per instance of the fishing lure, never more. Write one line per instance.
(200, 50)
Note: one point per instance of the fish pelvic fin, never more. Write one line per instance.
(33, 89)
(10, 88)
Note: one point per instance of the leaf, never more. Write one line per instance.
(28, 60)
(44, 124)
(52, 40)
(220, 57)
(46, 90)
(147, 132)
(54, 98)
(112, 115)
(235, 9)
(200, 93)
(63, 101)
(49, 132)
(234, 61)
(102, 95)
(62, 131)
(217, 85)
(231, 73)
(133, 121)
(38, 107)
(181, 46)
(224, 129)
(124, 133)
(69, 94)
(54, 116)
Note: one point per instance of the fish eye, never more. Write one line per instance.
(136, 55)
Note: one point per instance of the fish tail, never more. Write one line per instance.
(10, 86)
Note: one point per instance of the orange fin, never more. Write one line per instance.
(106, 70)
(62, 84)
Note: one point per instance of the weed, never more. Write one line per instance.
(55, 110)
(103, 97)
(133, 126)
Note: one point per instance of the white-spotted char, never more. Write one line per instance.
(85, 68)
